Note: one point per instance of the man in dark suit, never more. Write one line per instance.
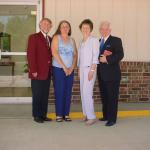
(109, 74)
(39, 62)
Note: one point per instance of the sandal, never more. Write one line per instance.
(84, 119)
(67, 118)
(59, 119)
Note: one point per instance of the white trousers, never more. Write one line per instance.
(86, 90)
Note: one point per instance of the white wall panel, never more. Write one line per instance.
(130, 30)
(130, 20)
(143, 30)
(78, 13)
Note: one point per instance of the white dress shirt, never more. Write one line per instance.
(105, 38)
(46, 35)
(88, 52)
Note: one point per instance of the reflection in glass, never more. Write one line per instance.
(5, 40)
(17, 22)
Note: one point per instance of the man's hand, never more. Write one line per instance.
(103, 59)
(107, 53)
(34, 74)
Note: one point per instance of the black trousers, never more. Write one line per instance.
(40, 93)
(109, 93)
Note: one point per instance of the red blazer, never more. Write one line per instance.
(39, 56)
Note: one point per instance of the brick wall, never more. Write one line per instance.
(135, 84)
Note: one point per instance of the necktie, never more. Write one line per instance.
(47, 41)
(101, 44)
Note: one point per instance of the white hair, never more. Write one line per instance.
(105, 23)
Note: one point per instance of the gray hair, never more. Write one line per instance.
(46, 19)
(105, 23)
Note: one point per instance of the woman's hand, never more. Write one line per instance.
(90, 75)
(66, 70)
(92, 71)
(70, 70)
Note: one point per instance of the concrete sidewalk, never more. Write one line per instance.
(24, 134)
(19, 132)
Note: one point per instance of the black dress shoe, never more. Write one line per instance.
(110, 123)
(38, 120)
(47, 119)
(102, 119)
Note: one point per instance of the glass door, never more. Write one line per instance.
(17, 22)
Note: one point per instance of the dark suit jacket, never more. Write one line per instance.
(111, 71)
(39, 56)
